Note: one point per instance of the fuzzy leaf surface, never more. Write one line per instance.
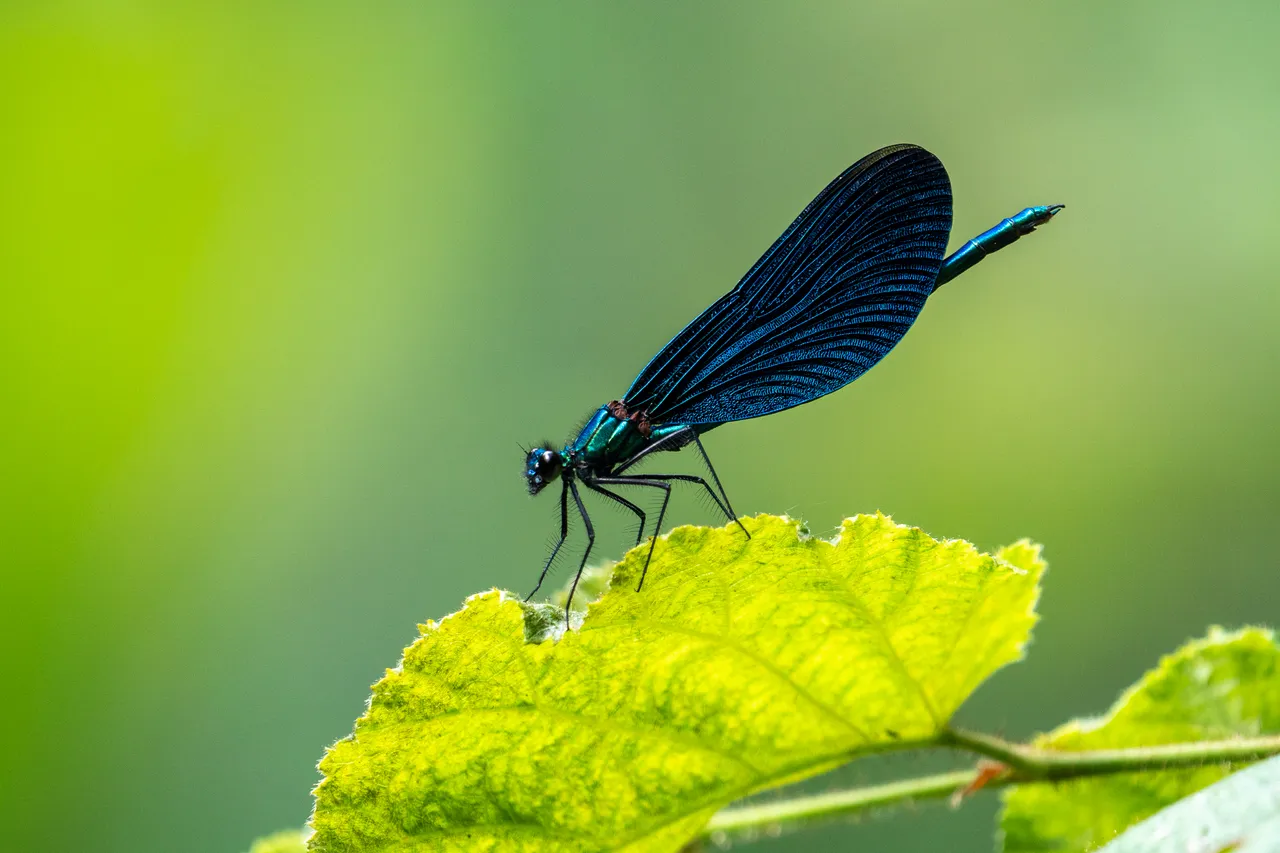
(743, 664)
(1227, 684)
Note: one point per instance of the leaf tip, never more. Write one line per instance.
(1024, 557)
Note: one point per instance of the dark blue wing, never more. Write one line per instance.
(828, 300)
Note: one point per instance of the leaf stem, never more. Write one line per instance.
(803, 810)
(1022, 764)
(1030, 763)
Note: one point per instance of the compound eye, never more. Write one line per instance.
(549, 463)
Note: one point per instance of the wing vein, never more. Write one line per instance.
(825, 303)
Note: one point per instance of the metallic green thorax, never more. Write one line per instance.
(607, 440)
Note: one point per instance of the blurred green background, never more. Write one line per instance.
(285, 285)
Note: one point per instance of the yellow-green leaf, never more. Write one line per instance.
(285, 841)
(1225, 685)
(742, 665)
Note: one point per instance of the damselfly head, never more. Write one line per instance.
(542, 466)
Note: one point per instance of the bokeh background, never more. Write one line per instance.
(284, 285)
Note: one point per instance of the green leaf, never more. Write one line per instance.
(1240, 813)
(285, 841)
(744, 664)
(1225, 685)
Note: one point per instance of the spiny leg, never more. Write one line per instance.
(652, 482)
(613, 496)
(682, 438)
(993, 240)
(591, 540)
(564, 534)
(707, 459)
(690, 478)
